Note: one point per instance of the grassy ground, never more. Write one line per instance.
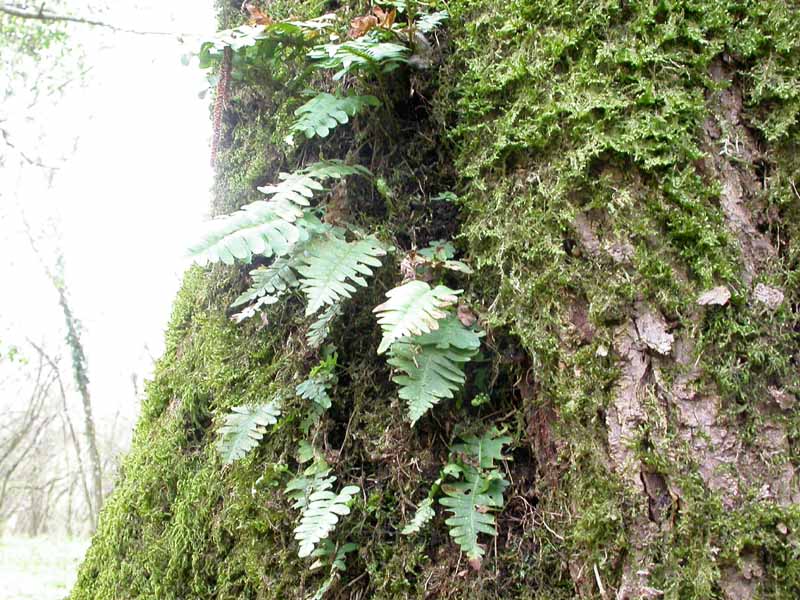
(38, 568)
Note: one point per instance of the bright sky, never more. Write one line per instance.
(127, 200)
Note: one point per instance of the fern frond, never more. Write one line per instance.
(255, 229)
(299, 187)
(429, 22)
(329, 264)
(325, 112)
(320, 329)
(485, 449)
(243, 429)
(412, 309)
(314, 389)
(363, 52)
(315, 478)
(469, 502)
(430, 374)
(423, 514)
(321, 515)
(273, 280)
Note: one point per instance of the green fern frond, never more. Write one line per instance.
(330, 263)
(485, 449)
(433, 364)
(321, 515)
(364, 52)
(429, 22)
(412, 309)
(315, 478)
(325, 112)
(430, 375)
(299, 187)
(243, 429)
(320, 329)
(255, 229)
(314, 389)
(422, 516)
(272, 280)
(469, 502)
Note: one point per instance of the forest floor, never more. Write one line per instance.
(41, 568)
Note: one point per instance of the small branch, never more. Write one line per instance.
(45, 15)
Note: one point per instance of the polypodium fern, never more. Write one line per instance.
(413, 308)
(331, 264)
(255, 229)
(299, 186)
(321, 515)
(325, 111)
(243, 429)
(470, 502)
(363, 53)
(273, 280)
(429, 374)
(423, 514)
(319, 330)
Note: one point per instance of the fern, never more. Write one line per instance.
(470, 502)
(430, 374)
(299, 186)
(321, 515)
(429, 22)
(363, 53)
(326, 551)
(243, 429)
(423, 514)
(315, 387)
(325, 111)
(412, 309)
(255, 229)
(273, 280)
(319, 330)
(329, 264)
(486, 449)
(315, 478)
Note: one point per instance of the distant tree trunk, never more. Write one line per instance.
(81, 373)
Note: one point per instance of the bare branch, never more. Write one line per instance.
(45, 15)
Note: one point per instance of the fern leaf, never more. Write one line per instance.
(273, 280)
(299, 187)
(451, 334)
(315, 478)
(486, 449)
(321, 515)
(325, 112)
(421, 517)
(331, 265)
(469, 502)
(255, 229)
(364, 52)
(412, 309)
(315, 390)
(320, 329)
(430, 374)
(431, 21)
(243, 429)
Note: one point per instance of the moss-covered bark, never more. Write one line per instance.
(615, 161)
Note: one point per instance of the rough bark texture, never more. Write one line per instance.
(627, 174)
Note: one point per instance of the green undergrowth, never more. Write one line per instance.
(536, 114)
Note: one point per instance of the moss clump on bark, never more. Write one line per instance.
(578, 136)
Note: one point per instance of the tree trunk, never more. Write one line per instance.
(627, 177)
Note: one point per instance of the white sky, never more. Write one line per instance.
(127, 201)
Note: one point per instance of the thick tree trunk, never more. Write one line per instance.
(627, 177)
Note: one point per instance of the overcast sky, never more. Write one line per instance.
(126, 202)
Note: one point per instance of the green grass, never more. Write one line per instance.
(38, 568)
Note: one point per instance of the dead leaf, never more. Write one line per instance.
(257, 17)
(466, 316)
(476, 563)
(361, 25)
(718, 295)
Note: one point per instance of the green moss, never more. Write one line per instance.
(544, 113)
